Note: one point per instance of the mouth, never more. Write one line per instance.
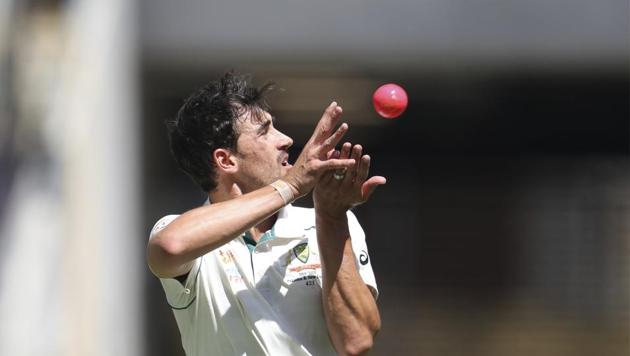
(285, 161)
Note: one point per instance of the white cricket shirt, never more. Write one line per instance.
(267, 302)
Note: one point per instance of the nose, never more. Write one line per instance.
(285, 141)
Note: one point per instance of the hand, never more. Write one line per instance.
(314, 159)
(334, 196)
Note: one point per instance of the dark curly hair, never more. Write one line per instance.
(206, 122)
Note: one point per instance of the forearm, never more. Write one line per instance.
(203, 229)
(349, 307)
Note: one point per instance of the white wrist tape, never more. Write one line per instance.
(284, 189)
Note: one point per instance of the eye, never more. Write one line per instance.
(264, 128)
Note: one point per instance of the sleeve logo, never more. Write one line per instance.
(364, 258)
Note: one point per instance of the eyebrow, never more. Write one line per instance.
(265, 125)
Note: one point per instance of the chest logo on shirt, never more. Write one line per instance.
(301, 252)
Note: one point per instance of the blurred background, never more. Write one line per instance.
(504, 226)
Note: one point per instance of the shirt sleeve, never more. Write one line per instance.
(179, 296)
(362, 257)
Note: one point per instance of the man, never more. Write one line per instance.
(248, 273)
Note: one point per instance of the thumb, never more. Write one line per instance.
(369, 186)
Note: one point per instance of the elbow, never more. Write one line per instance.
(363, 344)
(168, 245)
(375, 324)
(163, 254)
(359, 347)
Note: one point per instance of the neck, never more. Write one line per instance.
(264, 226)
(225, 192)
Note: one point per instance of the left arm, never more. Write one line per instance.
(349, 307)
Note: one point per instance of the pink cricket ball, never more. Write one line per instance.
(390, 100)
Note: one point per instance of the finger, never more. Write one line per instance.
(345, 150)
(333, 174)
(336, 164)
(328, 122)
(363, 168)
(333, 140)
(327, 178)
(331, 154)
(350, 174)
(345, 153)
(356, 152)
(355, 155)
(370, 185)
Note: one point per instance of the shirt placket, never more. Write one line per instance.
(259, 258)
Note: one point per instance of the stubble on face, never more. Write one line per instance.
(260, 160)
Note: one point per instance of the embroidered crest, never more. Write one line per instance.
(301, 251)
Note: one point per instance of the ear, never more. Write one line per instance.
(225, 160)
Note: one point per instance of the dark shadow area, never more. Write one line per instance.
(504, 216)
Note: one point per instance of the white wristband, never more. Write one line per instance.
(285, 190)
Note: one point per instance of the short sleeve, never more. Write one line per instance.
(162, 223)
(179, 296)
(362, 256)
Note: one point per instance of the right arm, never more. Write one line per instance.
(172, 250)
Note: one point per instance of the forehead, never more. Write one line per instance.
(252, 120)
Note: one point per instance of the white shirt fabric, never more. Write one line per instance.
(267, 302)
